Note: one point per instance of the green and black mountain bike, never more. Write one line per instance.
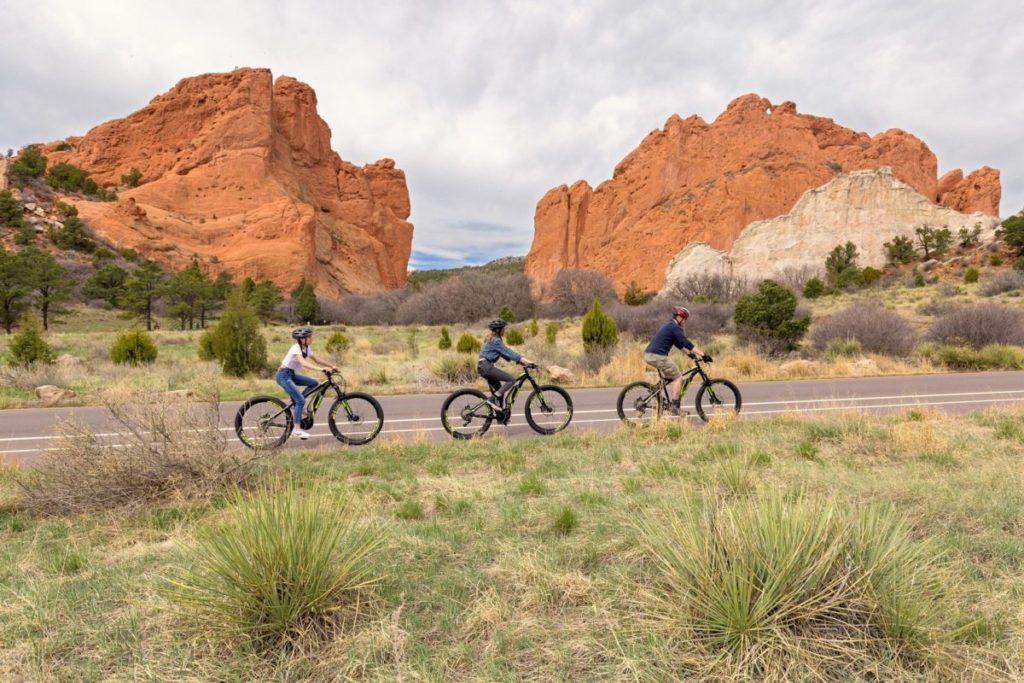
(466, 412)
(640, 402)
(355, 418)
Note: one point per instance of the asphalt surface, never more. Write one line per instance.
(26, 433)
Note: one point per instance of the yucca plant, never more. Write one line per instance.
(288, 564)
(777, 587)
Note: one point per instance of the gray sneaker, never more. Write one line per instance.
(495, 404)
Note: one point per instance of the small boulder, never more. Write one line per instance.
(929, 265)
(30, 207)
(51, 393)
(66, 359)
(560, 374)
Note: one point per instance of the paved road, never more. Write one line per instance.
(25, 433)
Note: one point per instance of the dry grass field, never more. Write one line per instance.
(851, 548)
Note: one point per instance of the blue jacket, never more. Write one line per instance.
(666, 337)
(494, 348)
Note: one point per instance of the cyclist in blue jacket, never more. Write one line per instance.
(656, 354)
(493, 349)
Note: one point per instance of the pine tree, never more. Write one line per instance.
(599, 329)
(108, 284)
(237, 342)
(49, 282)
(143, 289)
(14, 289)
(187, 291)
(307, 308)
(264, 296)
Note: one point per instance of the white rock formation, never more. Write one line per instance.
(867, 208)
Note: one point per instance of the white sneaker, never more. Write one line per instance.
(303, 434)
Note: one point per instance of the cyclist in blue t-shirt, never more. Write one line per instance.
(493, 349)
(656, 354)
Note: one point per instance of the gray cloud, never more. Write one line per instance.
(486, 105)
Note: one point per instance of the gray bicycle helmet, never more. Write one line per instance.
(300, 332)
(497, 324)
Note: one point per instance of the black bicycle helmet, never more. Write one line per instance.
(300, 332)
(497, 324)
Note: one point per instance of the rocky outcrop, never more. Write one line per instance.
(5, 164)
(980, 191)
(238, 169)
(867, 208)
(699, 182)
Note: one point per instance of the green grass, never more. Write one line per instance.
(527, 559)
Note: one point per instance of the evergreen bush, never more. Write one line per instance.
(338, 342)
(237, 342)
(514, 337)
(133, 347)
(814, 288)
(971, 275)
(506, 314)
(30, 163)
(551, 332)
(445, 342)
(207, 348)
(27, 345)
(467, 344)
(599, 329)
(768, 318)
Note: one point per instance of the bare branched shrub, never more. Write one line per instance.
(467, 298)
(979, 325)
(573, 291)
(876, 329)
(643, 321)
(795, 277)
(709, 287)
(366, 309)
(1002, 282)
(154, 449)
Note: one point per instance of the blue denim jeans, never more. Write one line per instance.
(289, 381)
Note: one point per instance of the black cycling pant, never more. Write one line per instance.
(495, 376)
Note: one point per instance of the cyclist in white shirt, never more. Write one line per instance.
(300, 356)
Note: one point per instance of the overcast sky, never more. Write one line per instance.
(487, 105)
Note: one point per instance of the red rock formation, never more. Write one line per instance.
(238, 169)
(693, 181)
(979, 191)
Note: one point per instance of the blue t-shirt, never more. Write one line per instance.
(494, 348)
(666, 337)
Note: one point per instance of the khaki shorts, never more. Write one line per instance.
(666, 368)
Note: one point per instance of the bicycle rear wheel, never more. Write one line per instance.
(263, 422)
(356, 418)
(638, 404)
(549, 409)
(466, 414)
(718, 398)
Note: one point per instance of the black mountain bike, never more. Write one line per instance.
(355, 418)
(639, 402)
(466, 412)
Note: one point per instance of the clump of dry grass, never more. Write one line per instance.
(156, 448)
(776, 588)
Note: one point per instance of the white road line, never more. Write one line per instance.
(616, 419)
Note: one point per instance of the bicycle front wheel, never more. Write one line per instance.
(466, 414)
(638, 404)
(355, 418)
(718, 398)
(549, 409)
(263, 422)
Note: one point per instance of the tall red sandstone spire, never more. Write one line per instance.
(238, 169)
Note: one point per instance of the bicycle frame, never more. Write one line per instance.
(318, 393)
(661, 388)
